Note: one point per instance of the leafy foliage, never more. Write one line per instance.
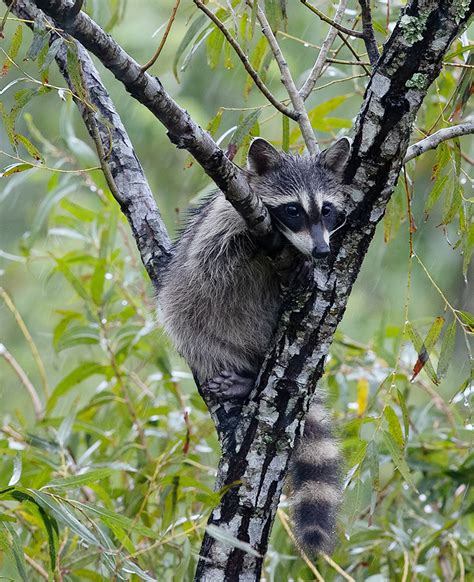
(114, 480)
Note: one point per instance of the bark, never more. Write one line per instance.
(256, 453)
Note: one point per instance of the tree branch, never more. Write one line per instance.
(287, 80)
(368, 34)
(132, 190)
(154, 58)
(22, 376)
(182, 130)
(334, 23)
(321, 60)
(432, 141)
(245, 61)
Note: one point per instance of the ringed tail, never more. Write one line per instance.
(316, 481)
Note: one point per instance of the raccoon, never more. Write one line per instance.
(221, 296)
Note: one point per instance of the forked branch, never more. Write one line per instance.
(247, 65)
(287, 80)
(321, 60)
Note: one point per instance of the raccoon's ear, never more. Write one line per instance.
(336, 156)
(262, 156)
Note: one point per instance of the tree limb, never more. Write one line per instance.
(335, 23)
(248, 66)
(432, 141)
(149, 91)
(368, 32)
(132, 190)
(321, 60)
(287, 80)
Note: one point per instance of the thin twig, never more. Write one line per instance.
(317, 69)
(287, 80)
(431, 142)
(4, 19)
(41, 571)
(338, 568)
(349, 46)
(24, 330)
(35, 399)
(154, 58)
(245, 61)
(368, 32)
(284, 522)
(344, 62)
(334, 23)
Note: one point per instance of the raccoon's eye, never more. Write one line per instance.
(292, 210)
(326, 209)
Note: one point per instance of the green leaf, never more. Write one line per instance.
(13, 50)
(60, 512)
(229, 540)
(468, 248)
(51, 54)
(214, 44)
(80, 480)
(16, 548)
(17, 467)
(467, 320)
(244, 128)
(15, 169)
(256, 59)
(76, 336)
(98, 281)
(453, 203)
(398, 459)
(424, 348)
(274, 14)
(75, 71)
(40, 38)
(459, 51)
(447, 348)
(129, 525)
(191, 31)
(405, 414)
(443, 155)
(394, 427)
(435, 194)
(30, 148)
(79, 374)
(63, 268)
(394, 213)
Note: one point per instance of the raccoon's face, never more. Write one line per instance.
(303, 194)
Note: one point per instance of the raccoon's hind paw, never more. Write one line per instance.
(230, 386)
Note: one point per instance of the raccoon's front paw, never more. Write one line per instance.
(303, 274)
(231, 386)
(300, 275)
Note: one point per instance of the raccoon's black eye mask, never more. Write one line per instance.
(292, 216)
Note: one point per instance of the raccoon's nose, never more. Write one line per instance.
(320, 252)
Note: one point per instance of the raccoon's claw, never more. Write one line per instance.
(230, 386)
(302, 275)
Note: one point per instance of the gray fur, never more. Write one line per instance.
(220, 296)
